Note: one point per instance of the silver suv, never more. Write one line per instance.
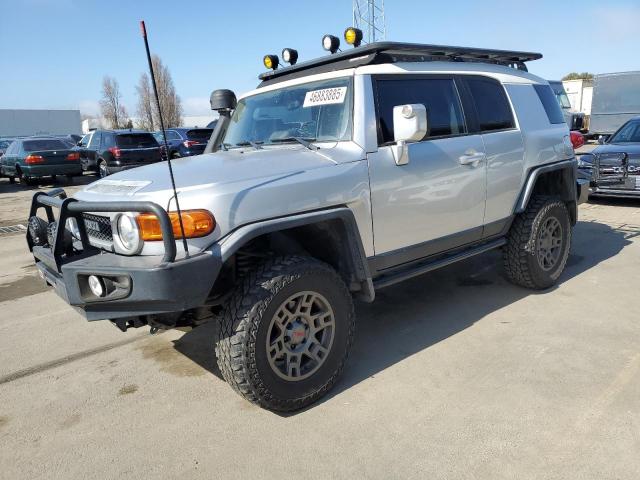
(333, 179)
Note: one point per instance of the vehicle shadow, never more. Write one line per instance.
(45, 183)
(412, 316)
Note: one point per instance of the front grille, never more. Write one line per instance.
(98, 228)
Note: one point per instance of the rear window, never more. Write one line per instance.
(492, 105)
(550, 104)
(199, 134)
(48, 144)
(136, 140)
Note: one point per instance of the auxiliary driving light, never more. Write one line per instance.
(97, 286)
(290, 55)
(330, 43)
(353, 36)
(271, 61)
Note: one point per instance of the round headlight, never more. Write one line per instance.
(128, 234)
(271, 61)
(353, 36)
(290, 55)
(330, 43)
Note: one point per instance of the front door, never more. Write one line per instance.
(436, 201)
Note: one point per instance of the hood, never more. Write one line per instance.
(206, 171)
(630, 148)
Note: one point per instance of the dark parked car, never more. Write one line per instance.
(35, 157)
(111, 151)
(184, 142)
(614, 166)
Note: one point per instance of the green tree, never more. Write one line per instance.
(578, 76)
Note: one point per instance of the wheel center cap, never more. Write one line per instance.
(298, 334)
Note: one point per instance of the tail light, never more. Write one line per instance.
(115, 151)
(190, 143)
(73, 156)
(32, 159)
(577, 139)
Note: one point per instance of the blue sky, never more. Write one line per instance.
(54, 53)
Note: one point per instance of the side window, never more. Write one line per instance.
(108, 140)
(94, 144)
(492, 106)
(438, 95)
(550, 103)
(85, 140)
(13, 148)
(171, 135)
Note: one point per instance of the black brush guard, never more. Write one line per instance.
(55, 254)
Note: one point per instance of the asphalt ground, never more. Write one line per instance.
(454, 375)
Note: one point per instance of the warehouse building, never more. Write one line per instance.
(22, 123)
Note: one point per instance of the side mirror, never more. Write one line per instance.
(409, 125)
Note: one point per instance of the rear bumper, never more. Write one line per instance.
(48, 170)
(148, 289)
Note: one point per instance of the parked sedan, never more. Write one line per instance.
(34, 157)
(614, 166)
(184, 142)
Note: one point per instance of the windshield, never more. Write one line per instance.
(629, 133)
(315, 111)
(561, 96)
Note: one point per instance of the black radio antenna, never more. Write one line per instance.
(164, 136)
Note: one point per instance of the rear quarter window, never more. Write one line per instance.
(491, 103)
(550, 104)
(136, 140)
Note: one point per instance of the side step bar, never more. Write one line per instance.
(415, 270)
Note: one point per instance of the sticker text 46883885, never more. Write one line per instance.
(326, 96)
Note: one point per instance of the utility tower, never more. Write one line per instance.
(368, 16)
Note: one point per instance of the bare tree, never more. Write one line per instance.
(146, 104)
(169, 99)
(111, 105)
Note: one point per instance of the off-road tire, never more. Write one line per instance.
(242, 332)
(103, 169)
(520, 254)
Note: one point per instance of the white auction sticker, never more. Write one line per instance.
(326, 96)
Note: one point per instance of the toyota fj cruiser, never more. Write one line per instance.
(334, 178)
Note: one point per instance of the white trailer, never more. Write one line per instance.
(580, 93)
(22, 123)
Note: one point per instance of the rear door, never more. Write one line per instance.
(490, 114)
(436, 201)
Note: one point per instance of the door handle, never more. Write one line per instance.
(471, 157)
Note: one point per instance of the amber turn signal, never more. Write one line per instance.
(197, 223)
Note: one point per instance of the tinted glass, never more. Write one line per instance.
(4, 144)
(45, 144)
(492, 105)
(85, 140)
(201, 134)
(319, 111)
(95, 141)
(550, 104)
(108, 140)
(629, 133)
(136, 140)
(439, 96)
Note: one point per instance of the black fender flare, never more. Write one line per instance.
(358, 265)
(569, 169)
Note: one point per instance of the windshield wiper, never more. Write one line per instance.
(256, 145)
(305, 142)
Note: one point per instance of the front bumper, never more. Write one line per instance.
(148, 287)
(138, 285)
(582, 190)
